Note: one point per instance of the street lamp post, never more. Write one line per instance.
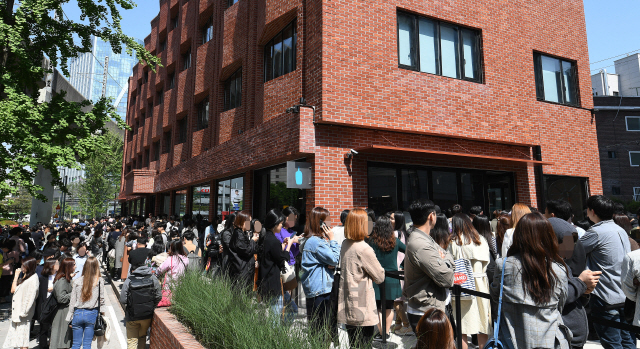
(64, 197)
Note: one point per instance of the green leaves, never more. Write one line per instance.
(57, 133)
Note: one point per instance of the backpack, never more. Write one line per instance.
(140, 299)
(194, 261)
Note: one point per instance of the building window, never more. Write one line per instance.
(612, 154)
(634, 158)
(440, 48)
(230, 196)
(186, 60)
(280, 53)
(555, 80)
(145, 77)
(159, 97)
(200, 200)
(150, 109)
(139, 162)
(147, 158)
(163, 45)
(156, 150)
(133, 100)
(172, 80)
(616, 93)
(167, 142)
(142, 120)
(633, 123)
(203, 114)
(615, 190)
(233, 90)
(182, 130)
(128, 168)
(174, 22)
(231, 2)
(636, 193)
(207, 31)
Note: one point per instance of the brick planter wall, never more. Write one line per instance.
(167, 332)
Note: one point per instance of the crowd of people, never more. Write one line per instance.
(544, 272)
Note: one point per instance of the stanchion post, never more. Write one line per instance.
(383, 298)
(456, 293)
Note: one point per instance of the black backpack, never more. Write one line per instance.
(140, 299)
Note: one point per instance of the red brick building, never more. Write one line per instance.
(482, 103)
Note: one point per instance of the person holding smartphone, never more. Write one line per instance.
(320, 256)
(288, 232)
(242, 249)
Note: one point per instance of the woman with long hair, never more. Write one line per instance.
(434, 331)
(49, 269)
(119, 248)
(535, 287)
(386, 246)
(517, 212)
(242, 249)
(272, 259)
(320, 256)
(483, 226)
(360, 269)
(440, 232)
(466, 243)
(86, 292)
(60, 337)
(402, 326)
(176, 262)
(23, 304)
(503, 223)
(225, 240)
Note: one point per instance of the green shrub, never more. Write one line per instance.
(221, 316)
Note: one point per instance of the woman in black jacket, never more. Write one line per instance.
(274, 255)
(46, 287)
(241, 250)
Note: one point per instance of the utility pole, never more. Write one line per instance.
(105, 75)
(64, 197)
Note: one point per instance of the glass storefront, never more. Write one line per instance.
(200, 200)
(230, 196)
(394, 186)
(270, 191)
(166, 204)
(180, 203)
(575, 190)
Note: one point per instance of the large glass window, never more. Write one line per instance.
(200, 200)
(575, 190)
(634, 158)
(383, 189)
(445, 189)
(207, 31)
(435, 47)
(166, 204)
(270, 191)
(203, 114)
(167, 142)
(555, 80)
(180, 203)
(280, 53)
(182, 130)
(233, 90)
(633, 123)
(230, 196)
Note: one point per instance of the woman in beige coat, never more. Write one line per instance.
(23, 305)
(466, 243)
(360, 268)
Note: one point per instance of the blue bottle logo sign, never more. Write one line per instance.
(299, 177)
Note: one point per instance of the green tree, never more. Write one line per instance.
(17, 205)
(102, 177)
(58, 133)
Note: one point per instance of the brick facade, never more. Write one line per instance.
(168, 332)
(347, 68)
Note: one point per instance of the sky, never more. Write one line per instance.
(612, 28)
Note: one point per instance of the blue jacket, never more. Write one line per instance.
(317, 255)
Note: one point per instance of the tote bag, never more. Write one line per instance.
(463, 276)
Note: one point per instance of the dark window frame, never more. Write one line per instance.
(166, 140)
(612, 154)
(203, 120)
(172, 80)
(539, 80)
(147, 157)
(156, 150)
(186, 60)
(615, 190)
(268, 59)
(159, 97)
(207, 31)
(231, 2)
(231, 85)
(175, 21)
(415, 47)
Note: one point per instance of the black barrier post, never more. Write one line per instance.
(383, 303)
(457, 291)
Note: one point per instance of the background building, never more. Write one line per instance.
(480, 104)
(86, 73)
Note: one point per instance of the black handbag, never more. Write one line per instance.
(49, 310)
(100, 327)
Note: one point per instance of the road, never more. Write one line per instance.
(113, 313)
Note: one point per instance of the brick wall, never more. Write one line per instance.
(167, 332)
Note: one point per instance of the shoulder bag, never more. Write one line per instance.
(166, 293)
(495, 343)
(463, 275)
(49, 309)
(100, 327)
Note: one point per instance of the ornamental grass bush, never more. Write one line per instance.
(222, 316)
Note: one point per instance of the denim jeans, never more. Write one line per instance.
(610, 338)
(290, 310)
(319, 313)
(82, 327)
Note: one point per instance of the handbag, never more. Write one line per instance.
(49, 309)
(288, 277)
(495, 343)
(464, 277)
(100, 327)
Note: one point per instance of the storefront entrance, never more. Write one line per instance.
(394, 186)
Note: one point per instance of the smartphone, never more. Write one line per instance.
(322, 224)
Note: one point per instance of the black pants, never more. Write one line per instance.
(319, 312)
(43, 336)
(360, 337)
(5, 285)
